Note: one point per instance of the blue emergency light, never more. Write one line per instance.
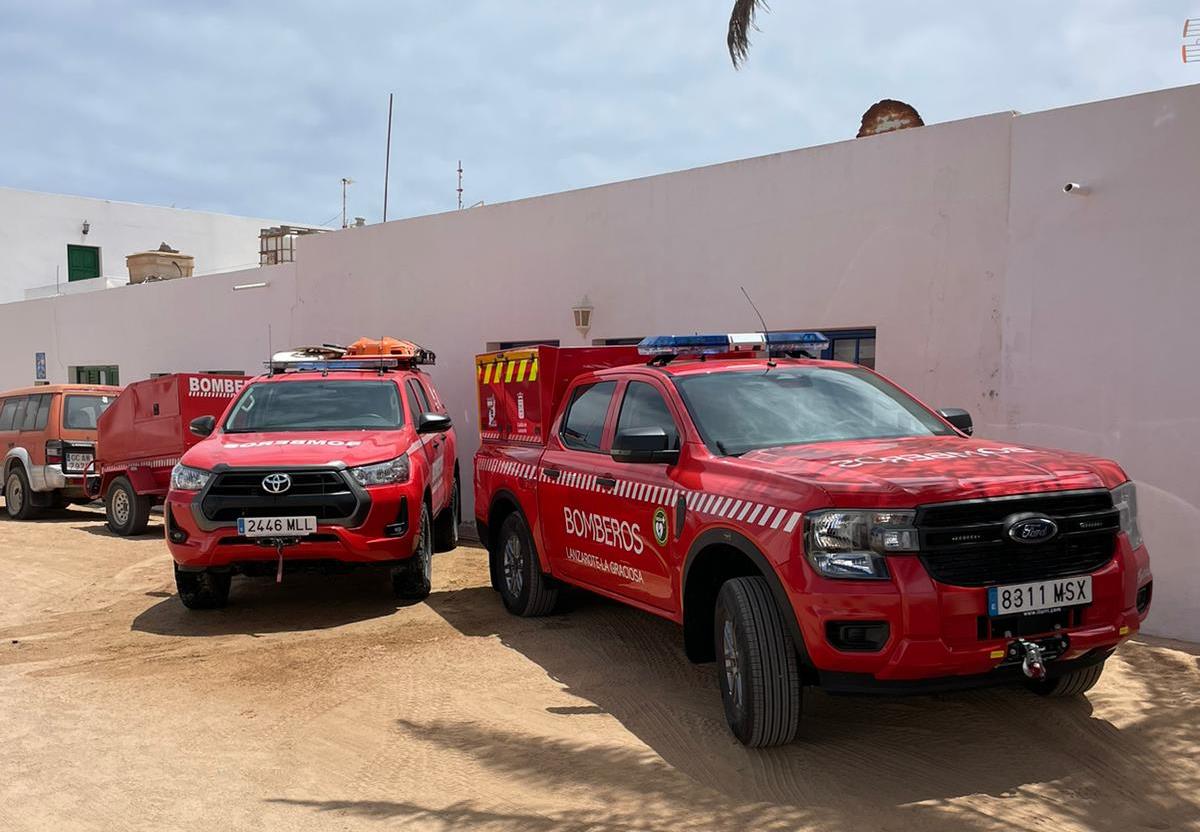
(716, 344)
(333, 365)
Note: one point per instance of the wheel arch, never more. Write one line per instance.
(714, 557)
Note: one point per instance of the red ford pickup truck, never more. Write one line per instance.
(807, 522)
(336, 458)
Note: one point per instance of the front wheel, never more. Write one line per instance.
(126, 511)
(413, 579)
(18, 498)
(757, 669)
(524, 588)
(1075, 683)
(203, 590)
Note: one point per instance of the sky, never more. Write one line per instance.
(261, 108)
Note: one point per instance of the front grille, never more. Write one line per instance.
(964, 544)
(323, 493)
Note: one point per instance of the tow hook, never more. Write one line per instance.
(1032, 664)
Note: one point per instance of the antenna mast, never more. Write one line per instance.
(460, 184)
(387, 162)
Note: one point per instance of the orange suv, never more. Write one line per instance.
(48, 438)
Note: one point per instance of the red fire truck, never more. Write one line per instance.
(336, 458)
(807, 522)
(143, 433)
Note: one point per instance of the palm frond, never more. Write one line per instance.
(741, 21)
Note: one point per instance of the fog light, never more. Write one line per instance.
(857, 636)
(400, 527)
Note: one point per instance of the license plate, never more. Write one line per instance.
(1039, 595)
(77, 462)
(276, 526)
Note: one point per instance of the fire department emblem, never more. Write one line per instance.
(662, 529)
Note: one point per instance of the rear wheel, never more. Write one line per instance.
(445, 532)
(414, 578)
(203, 590)
(1075, 683)
(127, 512)
(18, 498)
(525, 589)
(757, 669)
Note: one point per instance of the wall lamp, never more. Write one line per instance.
(87, 226)
(260, 285)
(583, 315)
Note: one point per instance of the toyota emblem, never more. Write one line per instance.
(276, 483)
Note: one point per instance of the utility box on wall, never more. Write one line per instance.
(164, 264)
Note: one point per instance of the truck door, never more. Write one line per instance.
(435, 445)
(593, 538)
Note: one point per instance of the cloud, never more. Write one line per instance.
(260, 109)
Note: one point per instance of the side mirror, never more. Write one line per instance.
(644, 445)
(203, 425)
(433, 423)
(958, 417)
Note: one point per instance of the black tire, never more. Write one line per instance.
(203, 590)
(126, 511)
(757, 668)
(1075, 683)
(18, 497)
(445, 529)
(524, 588)
(413, 579)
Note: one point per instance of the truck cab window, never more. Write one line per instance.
(584, 423)
(644, 407)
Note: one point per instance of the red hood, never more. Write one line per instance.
(245, 450)
(936, 468)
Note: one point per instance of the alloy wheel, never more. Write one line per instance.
(514, 560)
(733, 670)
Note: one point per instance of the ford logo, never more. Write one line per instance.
(1030, 528)
(276, 483)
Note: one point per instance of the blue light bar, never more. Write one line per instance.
(334, 365)
(733, 342)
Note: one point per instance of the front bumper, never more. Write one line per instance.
(939, 636)
(388, 532)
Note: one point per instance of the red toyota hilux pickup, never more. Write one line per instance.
(337, 458)
(807, 522)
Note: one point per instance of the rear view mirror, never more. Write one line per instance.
(203, 425)
(958, 417)
(433, 423)
(644, 445)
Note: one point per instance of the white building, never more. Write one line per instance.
(1060, 319)
(53, 244)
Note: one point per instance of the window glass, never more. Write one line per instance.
(43, 413)
(740, 410)
(31, 412)
(843, 349)
(415, 406)
(644, 407)
(295, 406)
(584, 423)
(19, 416)
(425, 405)
(81, 412)
(7, 412)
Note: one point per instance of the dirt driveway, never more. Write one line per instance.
(322, 704)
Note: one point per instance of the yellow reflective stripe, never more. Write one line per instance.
(521, 368)
(533, 367)
(508, 375)
(487, 374)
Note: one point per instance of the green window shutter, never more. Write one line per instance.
(83, 262)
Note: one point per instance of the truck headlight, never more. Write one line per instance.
(382, 473)
(852, 544)
(1124, 499)
(184, 478)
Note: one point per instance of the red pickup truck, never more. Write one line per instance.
(337, 458)
(807, 522)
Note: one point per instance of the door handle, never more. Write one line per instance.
(552, 473)
(606, 482)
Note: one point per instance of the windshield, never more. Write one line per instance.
(81, 412)
(316, 405)
(739, 411)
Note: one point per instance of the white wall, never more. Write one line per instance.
(989, 288)
(36, 228)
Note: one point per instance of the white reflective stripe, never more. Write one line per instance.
(778, 519)
(792, 521)
(754, 514)
(705, 503)
(721, 509)
(744, 511)
(734, 508)
(766, 516)
(691, 499)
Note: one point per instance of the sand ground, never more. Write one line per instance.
(323, 704)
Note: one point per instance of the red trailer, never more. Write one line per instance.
(144, 433)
